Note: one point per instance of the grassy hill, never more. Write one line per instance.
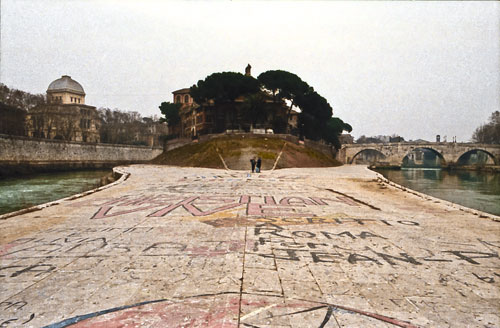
(238, 150)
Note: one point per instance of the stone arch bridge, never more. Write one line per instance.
(394, 153)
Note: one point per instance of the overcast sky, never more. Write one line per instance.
(416, 69)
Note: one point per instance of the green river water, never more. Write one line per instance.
(479, 190)
(22, 192)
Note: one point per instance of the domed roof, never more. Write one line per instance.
(66, 84)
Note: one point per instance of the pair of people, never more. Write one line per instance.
(256, 164)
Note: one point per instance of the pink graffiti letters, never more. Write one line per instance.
(162, 205)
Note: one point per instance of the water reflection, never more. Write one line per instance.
(479, 190)
(476, 157)
(423, 158)
(431, 174)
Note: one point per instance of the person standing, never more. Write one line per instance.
(259, 162)
(252, 162)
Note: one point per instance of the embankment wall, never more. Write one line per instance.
(21, 155)
(321, 147)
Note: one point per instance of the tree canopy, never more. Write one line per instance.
(315, 113)
(223, 87)
(334, 128)
(283, 84)
(170, 112)
(124, 127)
(315, 118)
(489, 133)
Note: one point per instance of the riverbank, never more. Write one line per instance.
(477, 168)
(291, 247)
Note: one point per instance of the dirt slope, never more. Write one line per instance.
(237, 152)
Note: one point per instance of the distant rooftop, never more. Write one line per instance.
(185, 90)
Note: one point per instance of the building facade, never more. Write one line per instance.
(65, 116)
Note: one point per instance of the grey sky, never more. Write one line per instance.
(412, 68)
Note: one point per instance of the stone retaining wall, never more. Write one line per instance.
(19, 155)
(321, 147)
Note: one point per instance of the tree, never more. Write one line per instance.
(257, 111)
(223, 87)
(12, 120)
(396, 138)
(171, 113)
(284, 86)
(489, 133)
(379, 139)
(334, 128)
(20, 99)
(315, 113)
(224, 91)
(122, 127)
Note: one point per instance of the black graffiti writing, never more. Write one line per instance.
(16, 305)
(278, 231)
(470, 256)
(39, 269)
(164, 248)
(338, 221)
(11, 320)
(298, 252)
(489, 280)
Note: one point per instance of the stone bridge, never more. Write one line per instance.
(393, 153)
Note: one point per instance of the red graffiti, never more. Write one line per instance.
(291, 206)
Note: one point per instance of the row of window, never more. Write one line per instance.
(201, 120)
(85, 112)
(59, 99)
(178, 99)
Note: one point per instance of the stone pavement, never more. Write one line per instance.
(191, 247)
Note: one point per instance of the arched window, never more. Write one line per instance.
(186, 99)
(177, 99)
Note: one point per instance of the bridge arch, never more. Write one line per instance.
(373, 155)
(462, 158)
(411, 151)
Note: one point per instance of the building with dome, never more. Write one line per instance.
(65, 115)
(66, 91)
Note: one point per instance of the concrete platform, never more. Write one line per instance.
(191, 247)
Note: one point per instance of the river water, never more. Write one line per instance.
(479, 190)
(22, 192)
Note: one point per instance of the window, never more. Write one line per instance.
(186, 99)
(84, 124)
(177, 99)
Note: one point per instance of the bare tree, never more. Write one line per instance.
(489, 133)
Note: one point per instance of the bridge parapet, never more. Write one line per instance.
(394, 153)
